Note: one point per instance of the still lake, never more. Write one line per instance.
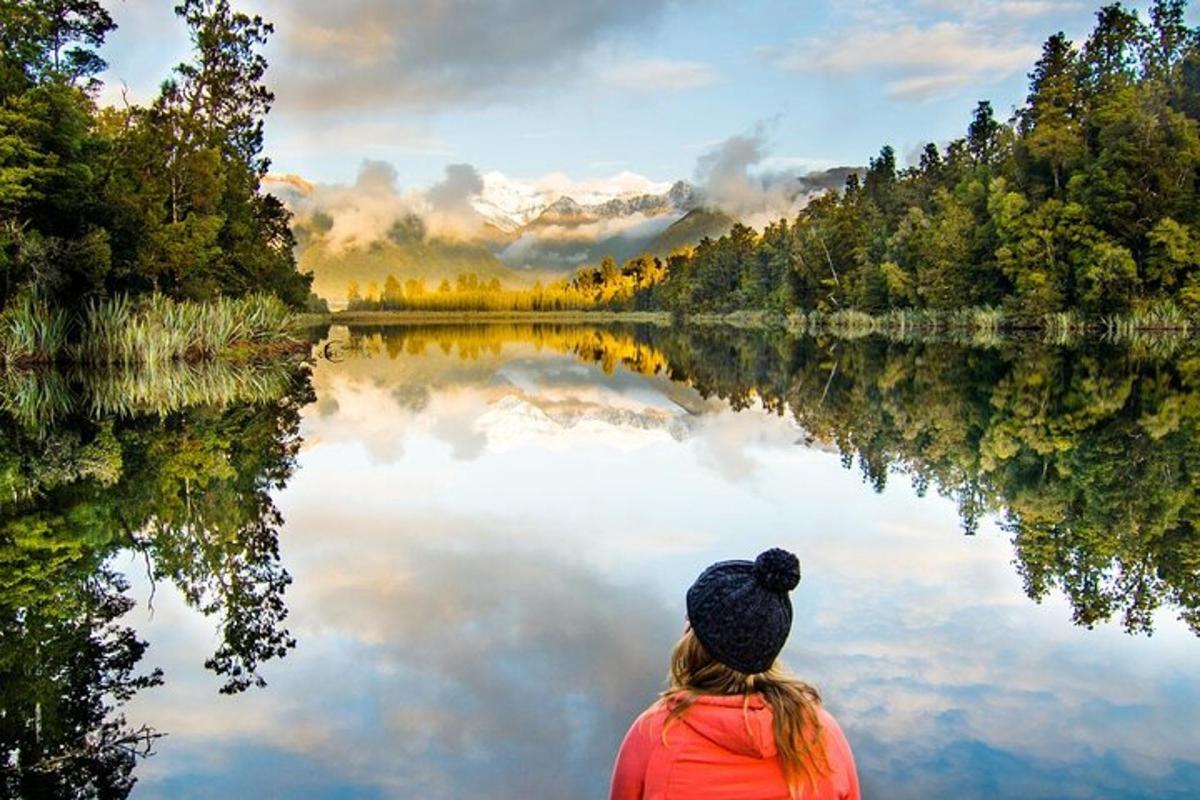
(479, 539)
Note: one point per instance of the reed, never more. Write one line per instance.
(38, 398)
(31, 330)
(148, 330)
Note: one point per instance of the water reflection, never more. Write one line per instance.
(491, 527)
(176, 466)
(1087, 454)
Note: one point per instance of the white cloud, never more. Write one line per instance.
(992, 9)
(915, 61)
(654, 75)
(927, 48)
(739, 177)
(365, 53)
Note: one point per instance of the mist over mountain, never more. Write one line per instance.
(518, 230)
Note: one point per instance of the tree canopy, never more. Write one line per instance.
(1085, 200)
(96, 201)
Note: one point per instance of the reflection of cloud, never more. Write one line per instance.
(725, 444)
(487, 627)
(465, 668)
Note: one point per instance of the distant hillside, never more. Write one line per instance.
(689, 230)
(432, 259)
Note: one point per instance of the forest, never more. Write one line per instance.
(1082, 205)
(1084, 201)
(102, 205)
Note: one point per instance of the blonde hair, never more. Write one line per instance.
(793, 703)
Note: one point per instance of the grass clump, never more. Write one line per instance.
(150, 330)
(32, 331)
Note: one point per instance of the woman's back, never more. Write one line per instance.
(721, 748)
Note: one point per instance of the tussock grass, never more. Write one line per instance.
(32, 331)
(38, 398)
(148, 330)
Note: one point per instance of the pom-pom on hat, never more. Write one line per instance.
(740, 610)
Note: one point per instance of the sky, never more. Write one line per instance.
(593, 88)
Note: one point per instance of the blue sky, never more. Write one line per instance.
(590, 89)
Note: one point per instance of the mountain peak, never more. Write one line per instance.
(563, 206)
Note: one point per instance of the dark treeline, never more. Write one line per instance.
(162, 198)
(1085, 201)
(88, 472)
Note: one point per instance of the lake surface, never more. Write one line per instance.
(457, 556)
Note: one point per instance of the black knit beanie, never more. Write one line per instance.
(740, 610)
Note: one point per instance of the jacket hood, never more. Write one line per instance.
(729, 722)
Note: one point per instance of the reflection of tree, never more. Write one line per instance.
(189, 489)
(66, 667)
(1088, 455)
(610, 347)
(205, 517)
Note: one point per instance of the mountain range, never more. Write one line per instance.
(514, 231)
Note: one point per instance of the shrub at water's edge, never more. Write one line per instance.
(148, 330)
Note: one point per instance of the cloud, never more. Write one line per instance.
(926, 48)
(574, 245)
(916, 62)
(359, 54)
(449, 201)
(741, 178)
(1003, 9)
(368, 210)
(656, 75)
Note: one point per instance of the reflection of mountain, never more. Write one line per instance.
(517, 417)
(1088, 456)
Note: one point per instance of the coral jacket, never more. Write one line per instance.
(716, 751)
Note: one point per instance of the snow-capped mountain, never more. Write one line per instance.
(509, 204)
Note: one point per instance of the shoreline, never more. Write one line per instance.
(468, 317)
(839, 323)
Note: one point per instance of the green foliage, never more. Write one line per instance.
(1084, 204)
(186, 486)
(164, 198)
(152, 329)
